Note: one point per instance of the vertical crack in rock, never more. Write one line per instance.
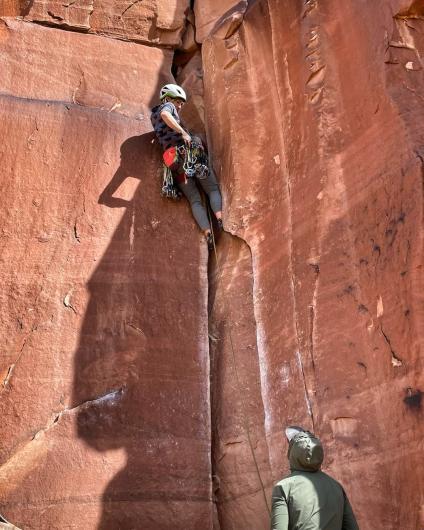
(237, 371)
(421, 159)
(308, 392)
(312, 313)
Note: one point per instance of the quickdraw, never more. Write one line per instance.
(169, 189)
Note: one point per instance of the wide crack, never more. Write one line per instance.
(237, 385)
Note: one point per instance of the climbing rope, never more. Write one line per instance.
(244, 406)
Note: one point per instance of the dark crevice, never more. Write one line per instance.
(396, 360)
(55, 17)
(413, 398)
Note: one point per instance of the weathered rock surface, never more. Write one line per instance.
(314, 116)
(81, 69)
(159, 22)
(315, 119)
(10, 8)
(210, 15)
(104, 366)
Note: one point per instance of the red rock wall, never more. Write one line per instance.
(10, 8)
(315, 118)
(104, 366)
(155, 22)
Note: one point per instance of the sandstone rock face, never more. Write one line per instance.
(211, 15)
(80, 71)
(315, 118)
(190, 77)
(160, 22)
(105, 373)
(10, 8)
(116, 413)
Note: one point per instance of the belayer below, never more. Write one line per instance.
(309, 499)
(185, 160)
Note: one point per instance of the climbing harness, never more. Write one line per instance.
(188, 161)
(192, 159)
(240, 388)
(172, 164)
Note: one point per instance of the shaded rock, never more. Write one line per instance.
(189, 43)
(190, 77)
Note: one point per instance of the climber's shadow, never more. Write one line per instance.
(122, 353)
(134, 153)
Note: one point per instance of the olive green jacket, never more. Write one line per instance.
(308, 499)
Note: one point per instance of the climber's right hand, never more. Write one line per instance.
(186, 138)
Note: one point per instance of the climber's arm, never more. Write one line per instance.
(173, 124)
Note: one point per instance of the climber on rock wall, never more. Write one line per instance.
(308, 499)
(185, 156)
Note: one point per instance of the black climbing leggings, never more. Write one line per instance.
(191, 191)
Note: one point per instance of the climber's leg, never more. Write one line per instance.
(211, 188)
(192, 193)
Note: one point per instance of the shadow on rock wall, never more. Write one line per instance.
(127, 380)
(113, 336)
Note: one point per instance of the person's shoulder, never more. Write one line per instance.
(326, 476)
(168, 106)
(285, 482)
(330, 480)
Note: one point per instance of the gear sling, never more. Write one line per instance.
(181, 162)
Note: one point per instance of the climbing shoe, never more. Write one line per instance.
(209, 241)
(220, 225)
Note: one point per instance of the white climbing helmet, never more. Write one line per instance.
(173, 91)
